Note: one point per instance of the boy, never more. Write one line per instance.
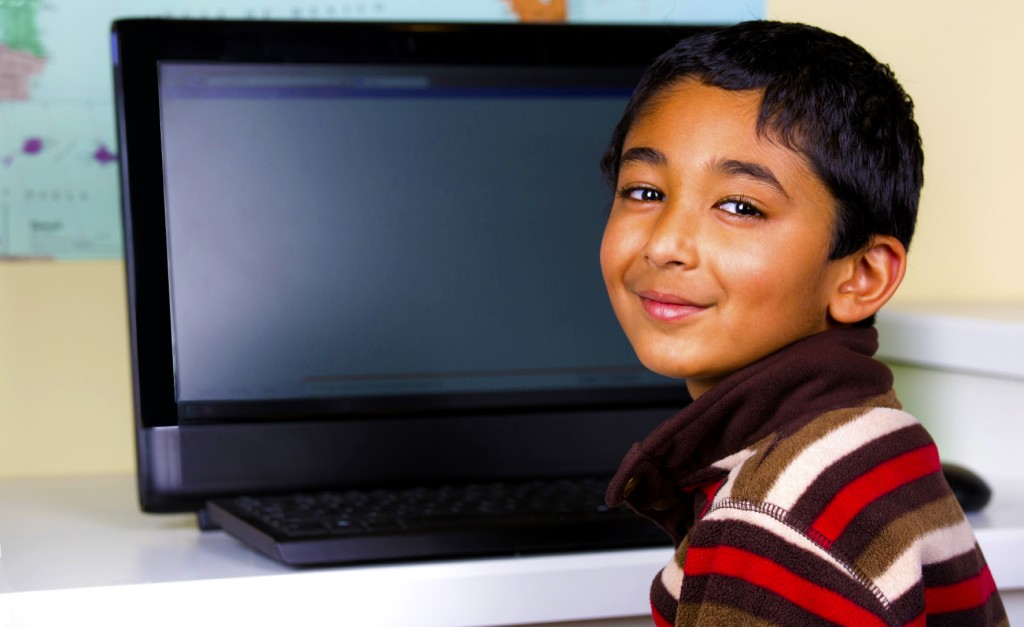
(767, 178)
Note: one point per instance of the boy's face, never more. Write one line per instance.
(716, 249)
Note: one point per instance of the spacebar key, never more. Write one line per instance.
(483, 522)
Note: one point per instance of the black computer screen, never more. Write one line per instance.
(366, 231)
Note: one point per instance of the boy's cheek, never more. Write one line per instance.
(608, 255)
(622, 242)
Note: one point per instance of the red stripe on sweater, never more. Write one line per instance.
(659, 620)
(709, 491)
(764, 573)
(878, 481)
(965, 595)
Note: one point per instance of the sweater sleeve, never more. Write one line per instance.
(744, 566)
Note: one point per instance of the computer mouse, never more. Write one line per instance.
(970, 490)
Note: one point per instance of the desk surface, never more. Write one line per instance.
(78, 548)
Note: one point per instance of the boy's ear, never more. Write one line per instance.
(868, 278)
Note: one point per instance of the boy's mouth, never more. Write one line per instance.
(667, 307)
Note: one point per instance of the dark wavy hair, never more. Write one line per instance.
(826, 98)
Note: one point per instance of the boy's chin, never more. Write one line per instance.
(697, 379)
(668, 367)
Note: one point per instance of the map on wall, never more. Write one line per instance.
(59, 196)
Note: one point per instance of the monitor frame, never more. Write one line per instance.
(179, 465)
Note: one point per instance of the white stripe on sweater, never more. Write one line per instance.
(735, 465)
(935, 546)
(734, 460)
(807, 466)
(672, 578)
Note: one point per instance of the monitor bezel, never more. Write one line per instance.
(179, 464)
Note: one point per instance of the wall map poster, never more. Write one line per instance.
(59, 196)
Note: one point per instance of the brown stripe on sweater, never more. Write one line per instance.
(673, 570)
(909, 605)
(680, 554)
(758, 540)
(759, 473)
(989, 614)
(705, 603)
(714, 614)
(836, 477)
(875, 516)
(749, 468)
(901, 533)
(955, 569)
(662, 600)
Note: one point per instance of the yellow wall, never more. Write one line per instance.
(65, 388)
(65, 394)
(960, 63)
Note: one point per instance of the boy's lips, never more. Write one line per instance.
(668, 307)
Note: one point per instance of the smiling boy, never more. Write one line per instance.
(766, 185)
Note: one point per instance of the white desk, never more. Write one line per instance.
(77, 552)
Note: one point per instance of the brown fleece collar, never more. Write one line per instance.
(777, 394)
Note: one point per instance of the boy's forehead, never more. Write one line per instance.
(689, 117)
(693, 84)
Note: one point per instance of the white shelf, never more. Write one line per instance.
(985, 339)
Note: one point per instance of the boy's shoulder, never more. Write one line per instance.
(848, 515)
(840, 462)
(855, 493)
(862, 485)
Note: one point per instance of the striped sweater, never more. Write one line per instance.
(798, 493)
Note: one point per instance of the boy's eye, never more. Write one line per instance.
(641, 194)
(740, 207)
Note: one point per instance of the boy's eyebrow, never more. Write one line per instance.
(756, 171)
(731, 167)
(644, 154)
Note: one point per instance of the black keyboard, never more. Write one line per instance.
(482, 519)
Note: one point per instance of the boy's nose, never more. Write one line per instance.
(672, 239)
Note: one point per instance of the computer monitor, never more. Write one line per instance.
(367, 254)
